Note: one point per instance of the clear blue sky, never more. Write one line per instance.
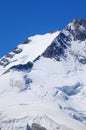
(20, 19)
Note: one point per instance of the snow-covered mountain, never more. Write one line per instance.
(43, 82)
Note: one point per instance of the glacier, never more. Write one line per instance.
(43, 84)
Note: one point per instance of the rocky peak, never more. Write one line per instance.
(73, 32)
(78, 28)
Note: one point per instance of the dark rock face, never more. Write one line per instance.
(37, 127)
(27, 41)
(82, 60)
(17, 50)
(58, 47)
(4, 62)
(76, 30)
(37, 58)
(6, 59)
(80, 29)
(28, 81)
(28, 127)
(53, 31)
(9, 55)
(22, 67)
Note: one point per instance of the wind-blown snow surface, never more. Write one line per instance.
(52, 92)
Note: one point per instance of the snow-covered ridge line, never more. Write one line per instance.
(29, 51)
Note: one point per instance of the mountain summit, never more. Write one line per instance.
(74, 31)
(43, 84)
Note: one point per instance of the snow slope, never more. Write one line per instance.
(50, 94)
(32, 48)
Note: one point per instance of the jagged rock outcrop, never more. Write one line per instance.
(23, 67)
(75, 31)
(37, 127)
